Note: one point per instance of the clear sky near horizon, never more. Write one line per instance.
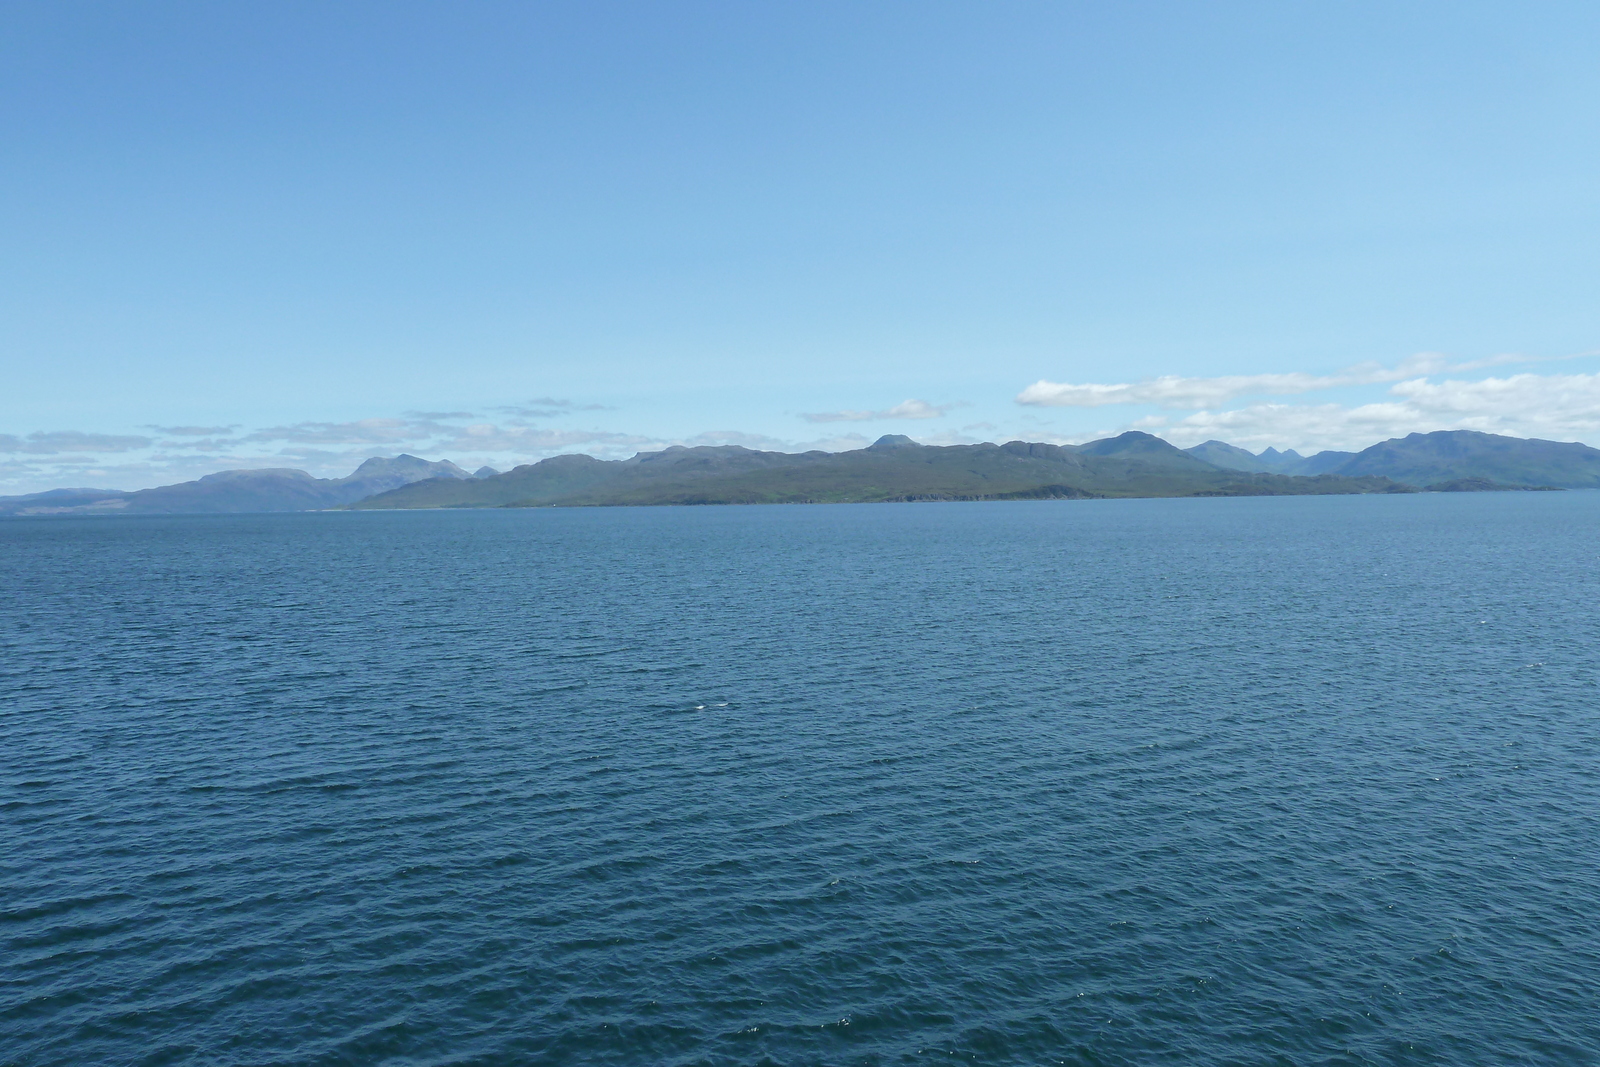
(299, 234)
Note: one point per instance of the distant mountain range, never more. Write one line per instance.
(896, 468)
(1426, 459)
(275, 489)
(1233, 457)
(1133, 464)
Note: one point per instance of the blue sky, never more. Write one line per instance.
(298, 234)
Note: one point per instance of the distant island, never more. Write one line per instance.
(894, 468)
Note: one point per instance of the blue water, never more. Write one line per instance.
(1258, 781)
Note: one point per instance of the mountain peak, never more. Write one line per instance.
(1228, 457)
(894, 440)
(1135, 441)
(407, 463)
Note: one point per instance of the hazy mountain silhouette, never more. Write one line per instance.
(892, 468)
(1451, 455)
(1428, 459)
(272, 489)
(1232, 457)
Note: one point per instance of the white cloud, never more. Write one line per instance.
(906, 409)
(1569, 402)
(1168, 391)
(546, 407)
(47, 460)
(946, 437)
(205, 444)
(1562, 407)
(54, 442)
(528, 441)
(843, 442)
(194, 431)
(1173, 392)
(1553, 406)
(357, 432)
(758, 441)
(82, 471)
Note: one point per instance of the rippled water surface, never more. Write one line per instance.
(1293, 781)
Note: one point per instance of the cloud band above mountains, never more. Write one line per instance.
(56, 442)
(52, 459)
(1419, 398)
(906, 409)
(1189, 393)
(1560, 407)
(1421, 394)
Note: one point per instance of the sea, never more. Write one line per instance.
(1304, 780)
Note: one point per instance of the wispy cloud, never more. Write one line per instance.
(759, 441)
(204, 444)
(1189, 393)
(1418, 395)
(51, 459)
(947, 437)
(55, 442)
(906, 409)
(547, 407)
(1553, 406)
(193, 431)
(358, 432)
(527, 441)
